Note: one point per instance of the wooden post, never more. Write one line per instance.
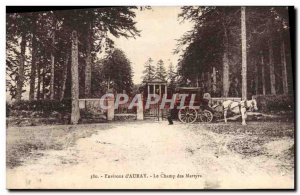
(75, 115)
(244, 53)
(148, 89)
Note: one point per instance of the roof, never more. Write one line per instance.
(155, 80)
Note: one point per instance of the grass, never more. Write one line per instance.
(249, 140)
(264, 129)
(24, 142)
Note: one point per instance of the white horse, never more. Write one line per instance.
(239, 107)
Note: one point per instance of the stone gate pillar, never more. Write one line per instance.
(139, 109)
(111, 108)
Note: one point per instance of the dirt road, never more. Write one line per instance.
(161, 156)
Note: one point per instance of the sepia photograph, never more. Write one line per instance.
(150, 97)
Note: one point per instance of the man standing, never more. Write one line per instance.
(170, 116)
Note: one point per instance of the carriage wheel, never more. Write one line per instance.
(206, 116)
(187, 115)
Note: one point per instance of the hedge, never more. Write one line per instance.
(275, 103)
(46, 106)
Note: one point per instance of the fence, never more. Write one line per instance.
(219, 100)
(104, 109)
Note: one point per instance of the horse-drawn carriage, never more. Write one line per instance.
(206, 109)
(196, 106)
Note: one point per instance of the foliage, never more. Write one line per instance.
(171, 77)
(275, 103)
(217, 30)
(160, 72)
(105, 23)
(45, 106)
(149, 70)
(114, 72)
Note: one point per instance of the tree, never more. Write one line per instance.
(20, 78)
(263, 74)
(284, 69)
(88, 61)
(171, 77)
(244, 53)
(160, 72)
(75, 116)
(46, 33)
(117, 72)
(216, 40)
(149, 71)
(18, 35)
(118, 21)
(271, 60)
(33, 56)
(214, 27)
(64, 77)
(52, 58)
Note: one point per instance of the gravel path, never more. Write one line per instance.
(155, 152)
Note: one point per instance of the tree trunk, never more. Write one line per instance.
(244, 53)
(20, 80)
(209, 82)
(263, 74)
(38, 94)
(52, 67)
(88, 61)
(44, 95)
(225, 74)
(202, 81)
(214, 80)
(225, 64)
(284, 71)
(64, 78)
(271, 61)
(271, 65)
(256, 78)
(33, 69)
(75, 115)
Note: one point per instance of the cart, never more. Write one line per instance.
(200, 110)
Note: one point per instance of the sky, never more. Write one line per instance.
(160, 27)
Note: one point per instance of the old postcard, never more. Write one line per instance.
(146, 97)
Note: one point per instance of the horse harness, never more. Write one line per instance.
(240, 105)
